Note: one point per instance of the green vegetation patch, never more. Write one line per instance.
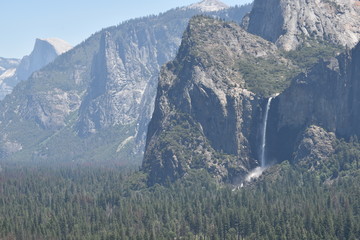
(266, 76)
(269, 76)
(344, 162)
(309, 53)
(182, 137)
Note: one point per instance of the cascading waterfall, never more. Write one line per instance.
(255, 173)
(263, 134)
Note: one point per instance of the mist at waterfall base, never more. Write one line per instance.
(257, 172)
(254, 174)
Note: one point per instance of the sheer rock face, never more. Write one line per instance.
(204, 116)
(328, 96)
(118, 84)
(289, 22)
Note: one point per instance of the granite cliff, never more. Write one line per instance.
(205, 115)
(211, 99)
(289, 23)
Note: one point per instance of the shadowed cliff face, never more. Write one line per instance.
(266, 20)
(288, 23)
(204, 116)
(327, 96)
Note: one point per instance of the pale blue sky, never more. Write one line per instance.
(22, 21)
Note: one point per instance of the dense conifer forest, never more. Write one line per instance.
(78, 202)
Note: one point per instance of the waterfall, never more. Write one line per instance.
(263, 134)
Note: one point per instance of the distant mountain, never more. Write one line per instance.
(7, 70)
(8, 63)
(44, 52)
(94, 102)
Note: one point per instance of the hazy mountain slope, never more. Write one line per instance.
(94, 102)
(8, 63)
(7, 70)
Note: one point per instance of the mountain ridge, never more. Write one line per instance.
(76, 102)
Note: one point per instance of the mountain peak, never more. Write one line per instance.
(44, 52)
(209, 5)
(60, 46)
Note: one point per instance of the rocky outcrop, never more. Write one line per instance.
(51, 108)
(204, 115)
(316, 145)
(121, 74)
(288, 23)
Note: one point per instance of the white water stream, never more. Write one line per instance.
(263, 134)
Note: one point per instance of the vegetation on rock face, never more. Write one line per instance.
(311, 51)
(265, 76)
(268, 76)
(181, 147)
(344, 162)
